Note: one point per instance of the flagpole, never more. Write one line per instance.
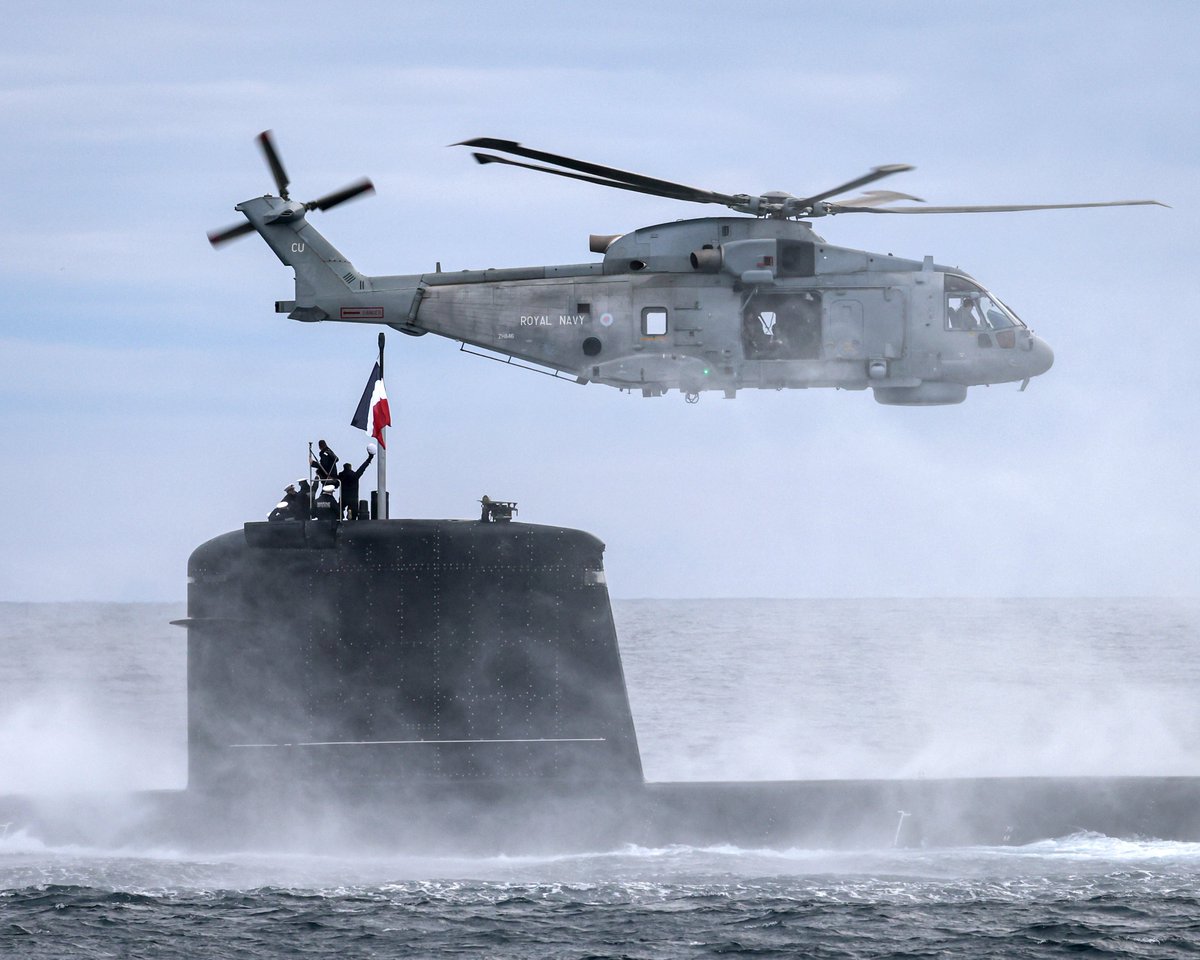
(381, 496)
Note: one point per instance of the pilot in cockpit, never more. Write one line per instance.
(965, 316)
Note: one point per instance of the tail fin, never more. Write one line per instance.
(322, 272)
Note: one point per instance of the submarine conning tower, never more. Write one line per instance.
(404, 652)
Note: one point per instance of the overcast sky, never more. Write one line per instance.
(150, 398)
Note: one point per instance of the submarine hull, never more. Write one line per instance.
(543, 818)
(460, 683)
(454, 686)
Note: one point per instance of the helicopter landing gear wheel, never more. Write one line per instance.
(692, 397)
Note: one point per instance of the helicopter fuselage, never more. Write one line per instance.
(712, 304)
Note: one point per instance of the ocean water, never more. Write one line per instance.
(91, 697)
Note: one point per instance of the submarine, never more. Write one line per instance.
(464, 677)
(440, 685)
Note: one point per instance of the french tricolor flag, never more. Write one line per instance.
(373, 414)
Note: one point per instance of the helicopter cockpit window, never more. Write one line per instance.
(969, 307)
(654, 321)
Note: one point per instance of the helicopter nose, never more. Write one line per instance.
(1041, 357)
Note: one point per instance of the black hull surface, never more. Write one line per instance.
(452, 686)
(400, 652)
(488, 819)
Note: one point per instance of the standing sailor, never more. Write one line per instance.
(326, 462)
(348, 478)
(326, 507)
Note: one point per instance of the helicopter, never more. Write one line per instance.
(721, 303)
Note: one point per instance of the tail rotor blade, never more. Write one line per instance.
(218, 237)
(275, 212)
(341, 196)
(267, 142)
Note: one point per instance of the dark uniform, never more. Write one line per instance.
(326, 507)
(349, 478)
(304, 501)
(326, 462)
(286, 508)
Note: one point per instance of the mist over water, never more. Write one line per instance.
(92, 697)
(796, 689)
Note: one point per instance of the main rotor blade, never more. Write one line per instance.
(267, 142)
(678, 194)
(877, 198)
(341, 196)
(877, 173)
(1004, 208)
(218, 237)
(611, 175)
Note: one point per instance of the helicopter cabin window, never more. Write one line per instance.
(654, 321)
(972, 309)
(782, 326)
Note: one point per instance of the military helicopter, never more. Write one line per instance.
(713, 304)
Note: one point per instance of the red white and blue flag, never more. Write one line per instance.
(373, 414)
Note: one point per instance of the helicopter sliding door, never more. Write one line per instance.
(865, 324)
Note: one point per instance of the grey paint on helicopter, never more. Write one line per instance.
(714, 304)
